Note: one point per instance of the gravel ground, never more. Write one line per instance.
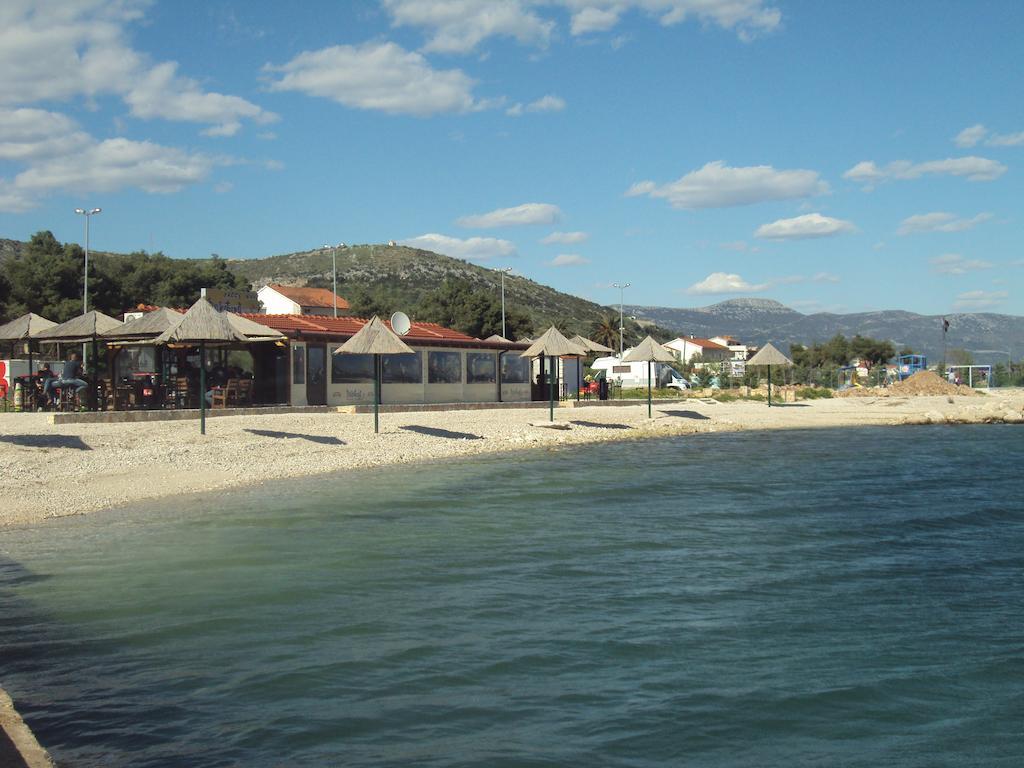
(49, 470)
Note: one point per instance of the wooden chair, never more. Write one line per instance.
(245, 392)
(178, 394)
(226, 396)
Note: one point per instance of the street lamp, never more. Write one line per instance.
(334, 272)
(503, 271)
(85, 286)
(622, 287)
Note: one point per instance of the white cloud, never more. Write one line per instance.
(939, 222)
(70, 49)
(734, 245)
(717, 185)
(722, 282)
(547, 103)
(802, 227)
(955, 264)
(520, 215)
(223, 187)
(565, 238)
(458, 26)
(969, 137)
(116, 164)
(568, 260)
(977, 301)
(26, 134)
(473, 248)
(377, 76)
(974, 168)
(748, 18)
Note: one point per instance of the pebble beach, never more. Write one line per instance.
(53, 470)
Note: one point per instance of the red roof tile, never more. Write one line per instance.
(292, 325)
(310, 297)
(705, 343)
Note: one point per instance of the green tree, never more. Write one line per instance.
(606, 331)
(458, 305)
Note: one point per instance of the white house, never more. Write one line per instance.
(634, 375)
(688, 347)
(292, 300)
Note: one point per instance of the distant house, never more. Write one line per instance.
(291, 300)
(688, 347)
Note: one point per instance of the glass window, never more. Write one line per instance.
(350, 369)
(135, 360)
(515, 369)
(444, 368)
(480, 367)
(298, 365)
(402, 369)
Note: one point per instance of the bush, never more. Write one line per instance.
(813, 393)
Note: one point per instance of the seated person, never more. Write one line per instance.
(42, 377)
(70, 376)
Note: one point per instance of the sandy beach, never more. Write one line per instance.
(48, 470)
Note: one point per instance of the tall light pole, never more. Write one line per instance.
(622, 287)
(334, 272)
(85, 285)
(503, 271)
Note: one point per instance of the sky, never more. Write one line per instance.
(834, 156)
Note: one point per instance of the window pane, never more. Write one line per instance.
(444, 368)
(402, 369)
(350, 369)
(515, 369)
(480, 367)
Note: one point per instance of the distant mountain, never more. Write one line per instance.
(757, 321)
(409, 274)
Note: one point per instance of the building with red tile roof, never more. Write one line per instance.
(294, 300)
(688, 347)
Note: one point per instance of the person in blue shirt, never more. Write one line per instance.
(71, 376)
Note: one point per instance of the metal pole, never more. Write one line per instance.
(621, 288)
(202, 388)
(376, 393)
(85, 287)
(503, 271)
(334, 278)
(648, 389)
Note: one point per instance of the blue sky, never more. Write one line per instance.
(833, 156)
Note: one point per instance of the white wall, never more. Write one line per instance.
(276, 304)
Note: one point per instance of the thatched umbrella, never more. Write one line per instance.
(591, 346)
(375, 339)
(22, 328)
(78, 330)
(149, 326)
(554, 345)
(650, 351)
(201, 325)
(769, 355)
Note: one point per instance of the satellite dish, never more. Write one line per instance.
(400, 323)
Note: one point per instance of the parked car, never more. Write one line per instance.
(679, 384)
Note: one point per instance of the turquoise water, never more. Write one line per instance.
(839, 598)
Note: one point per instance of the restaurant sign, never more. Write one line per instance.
(232, 301)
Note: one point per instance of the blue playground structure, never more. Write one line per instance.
(908, 365)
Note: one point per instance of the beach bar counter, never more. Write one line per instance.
(446, 366)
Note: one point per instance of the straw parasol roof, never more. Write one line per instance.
(82, 328)
(525, 340)
(590, 345)
(649, 350)
(374, 338)
(769, 355)
(23, 327)
(201, 324)
(554, 344)
(497, 338)
(150, 324)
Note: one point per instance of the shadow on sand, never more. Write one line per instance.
(687, 415)
(599, 425)
(322, 439)
(47, 441)
(435, 432)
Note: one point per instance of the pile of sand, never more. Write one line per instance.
(921, 383)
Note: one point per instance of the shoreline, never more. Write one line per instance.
(48, 471)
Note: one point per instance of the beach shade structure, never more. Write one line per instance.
(83, 329)
(769, 355)
(649, 351)
(201, 326)
(21, 329)
(149, 326)
(376, 339)
(591, 346)
(553, 345)
(497, 338)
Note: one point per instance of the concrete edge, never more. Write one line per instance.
(29, 751)
(123, 417)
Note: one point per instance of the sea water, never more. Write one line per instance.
(812, 598)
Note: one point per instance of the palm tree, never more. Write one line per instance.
(606, 331)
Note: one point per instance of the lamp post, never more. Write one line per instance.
(622, 287)
(503, 271)
(85, 283)
(334, 273)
